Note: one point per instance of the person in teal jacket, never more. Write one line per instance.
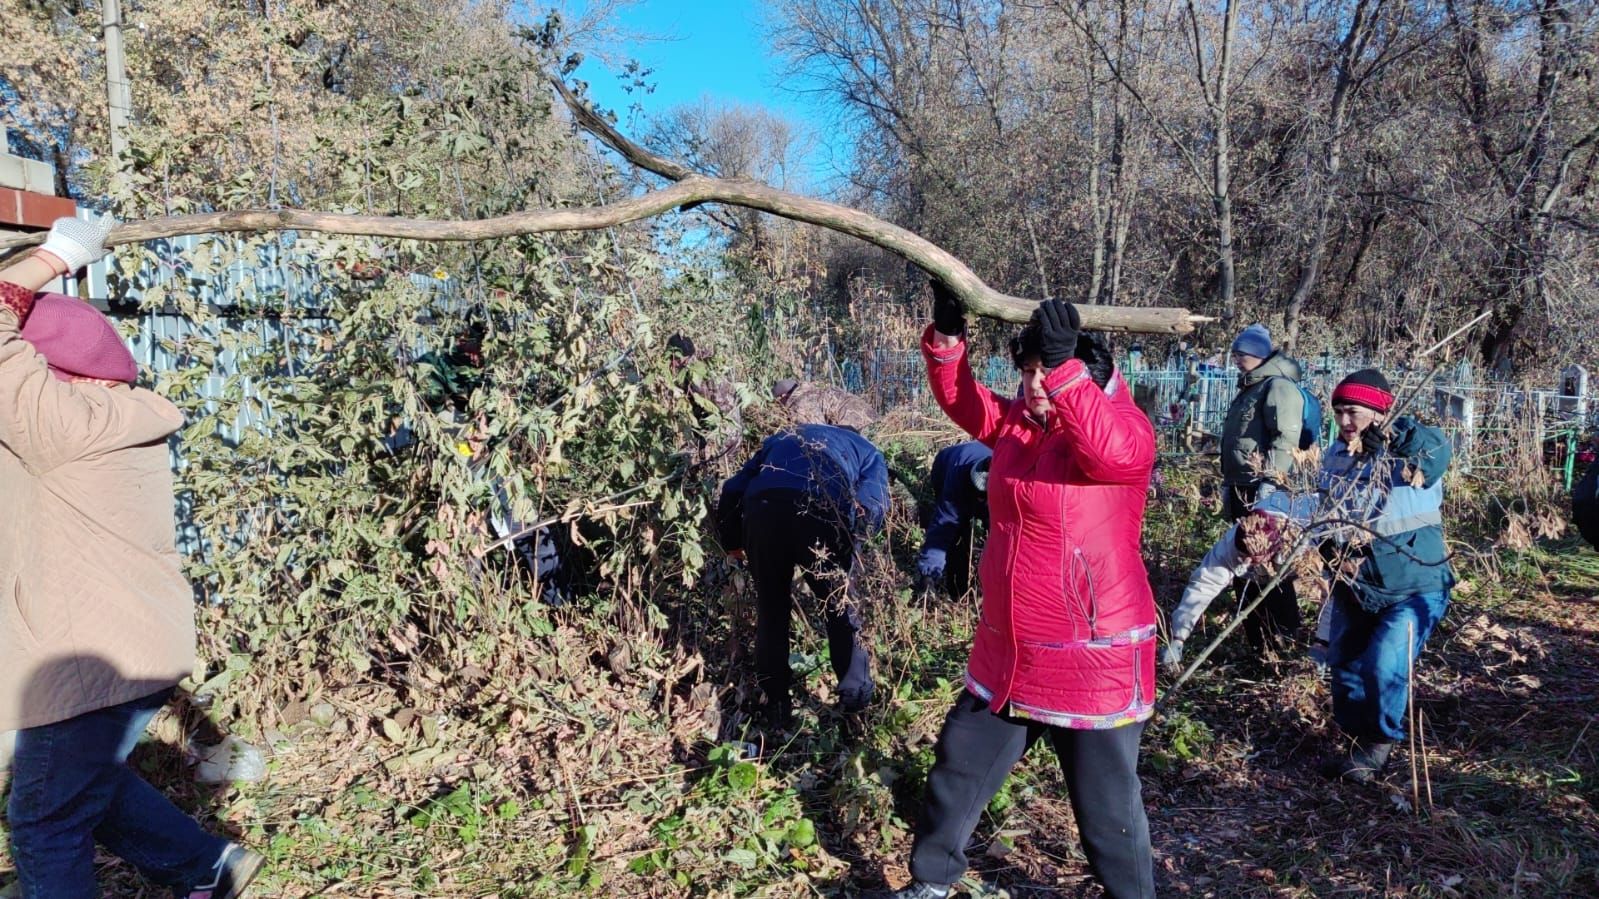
(1382, 481)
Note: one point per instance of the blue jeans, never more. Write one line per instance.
(1370, 661)
(71, 787)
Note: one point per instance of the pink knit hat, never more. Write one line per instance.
(77, 341)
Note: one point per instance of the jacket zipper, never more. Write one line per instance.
(1093, 594)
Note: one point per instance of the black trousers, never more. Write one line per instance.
(975, 753)
(785, 530)
(958, 564)
(1275, 622)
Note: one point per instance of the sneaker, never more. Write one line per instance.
(234, 870)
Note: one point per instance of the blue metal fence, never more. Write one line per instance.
(1187, 399)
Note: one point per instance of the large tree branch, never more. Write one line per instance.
(689, 188)
(977, 296)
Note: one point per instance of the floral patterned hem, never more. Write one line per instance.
(17, 298)
(1140, 710)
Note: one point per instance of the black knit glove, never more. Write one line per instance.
(1094, 350)
(1374, 439)
(949, 316)
(1058, 323)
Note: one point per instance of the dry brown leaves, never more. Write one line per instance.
(1509, 645)
(1523, 529)
(1309, 576)
(1308, 459)
(1257, 533)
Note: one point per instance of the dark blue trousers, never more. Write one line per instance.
(71, 787)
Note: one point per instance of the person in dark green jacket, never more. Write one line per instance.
(1383, 484)
(1264, 422)
(1261, 433)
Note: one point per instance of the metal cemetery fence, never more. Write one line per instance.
(1492, 423)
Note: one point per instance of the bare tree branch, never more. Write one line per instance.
(978, 296)
(689, 188)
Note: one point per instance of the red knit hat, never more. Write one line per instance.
(77, 341)
(1366, 387)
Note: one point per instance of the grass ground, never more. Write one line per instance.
(576, 755)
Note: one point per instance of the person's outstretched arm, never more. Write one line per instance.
(969, 404)
(1213, 575)
(71, 244)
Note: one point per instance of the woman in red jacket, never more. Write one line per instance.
(1066, 644)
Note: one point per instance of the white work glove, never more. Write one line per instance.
(1171, 658)
(78, 242)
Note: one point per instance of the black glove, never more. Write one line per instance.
(1094, 350)
(949, 316)
(1058, 323)
(1374, 439)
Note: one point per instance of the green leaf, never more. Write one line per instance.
(742, 777)
(802, 834)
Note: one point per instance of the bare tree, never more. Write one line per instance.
(1532, 143)
(1377, 35)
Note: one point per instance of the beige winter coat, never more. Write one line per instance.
(94, 610)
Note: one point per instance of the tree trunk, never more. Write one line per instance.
(1219, 99)
(1224, 166)
(1349, 53)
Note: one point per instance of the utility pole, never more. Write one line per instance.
(118, 97)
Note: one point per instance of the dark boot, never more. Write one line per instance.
(856, 700)
(1363, 764)
(917, 890)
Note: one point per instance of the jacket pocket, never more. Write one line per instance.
(1083, 678)
(1078, 601)
(23, 626)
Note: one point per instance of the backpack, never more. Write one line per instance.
(1310, 430)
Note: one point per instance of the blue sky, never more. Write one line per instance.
(709, 48)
